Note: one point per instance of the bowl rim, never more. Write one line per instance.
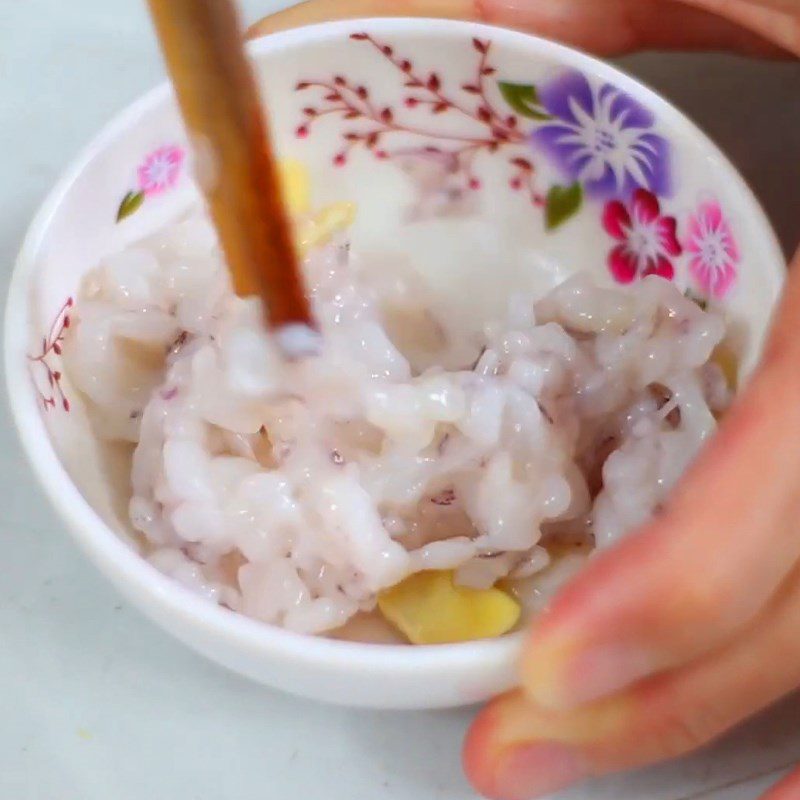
(105, 547)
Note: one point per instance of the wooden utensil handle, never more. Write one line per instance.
(202, 45)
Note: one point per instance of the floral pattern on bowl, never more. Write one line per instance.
(647, 238)
(449, 164)
(614, 161)
(712, 250)
(605, 144)
(602, 138)
(45, 375)
(158, 172)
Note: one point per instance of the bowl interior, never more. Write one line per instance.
(467, 149)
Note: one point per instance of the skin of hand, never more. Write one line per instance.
(605, 27)
(691, 623)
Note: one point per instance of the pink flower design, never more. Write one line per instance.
(160, 169)
(713, 252)
(647, 238)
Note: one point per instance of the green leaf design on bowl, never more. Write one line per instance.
(131, 203)
(524, 99)
(562, 203)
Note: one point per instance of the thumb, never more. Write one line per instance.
(776, 20)
(787, 789)
(517, 750)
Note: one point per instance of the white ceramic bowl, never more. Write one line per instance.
(494, 150)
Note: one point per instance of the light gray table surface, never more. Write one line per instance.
(95, 702)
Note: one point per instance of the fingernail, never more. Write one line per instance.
(562, 677)
(534, 770)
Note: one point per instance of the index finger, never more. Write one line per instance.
(777, 21)
(688, 581)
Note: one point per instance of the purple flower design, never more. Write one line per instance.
(602, 138)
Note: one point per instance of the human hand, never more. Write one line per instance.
(690, 624)
(605, 27)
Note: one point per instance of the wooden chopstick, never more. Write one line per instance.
(236, 168)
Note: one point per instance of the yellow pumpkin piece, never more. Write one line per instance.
(429, 608)
(725, 358)
(319, 229)
(296, 186)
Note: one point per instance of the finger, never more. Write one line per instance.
(606, 28)
(782, 343)
(676, 588)
(787, 789)
(517, 749)
(619, 26)
(777, 21)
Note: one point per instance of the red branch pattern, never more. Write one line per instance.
(353, 101)
(522, 180)
(51, 347)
